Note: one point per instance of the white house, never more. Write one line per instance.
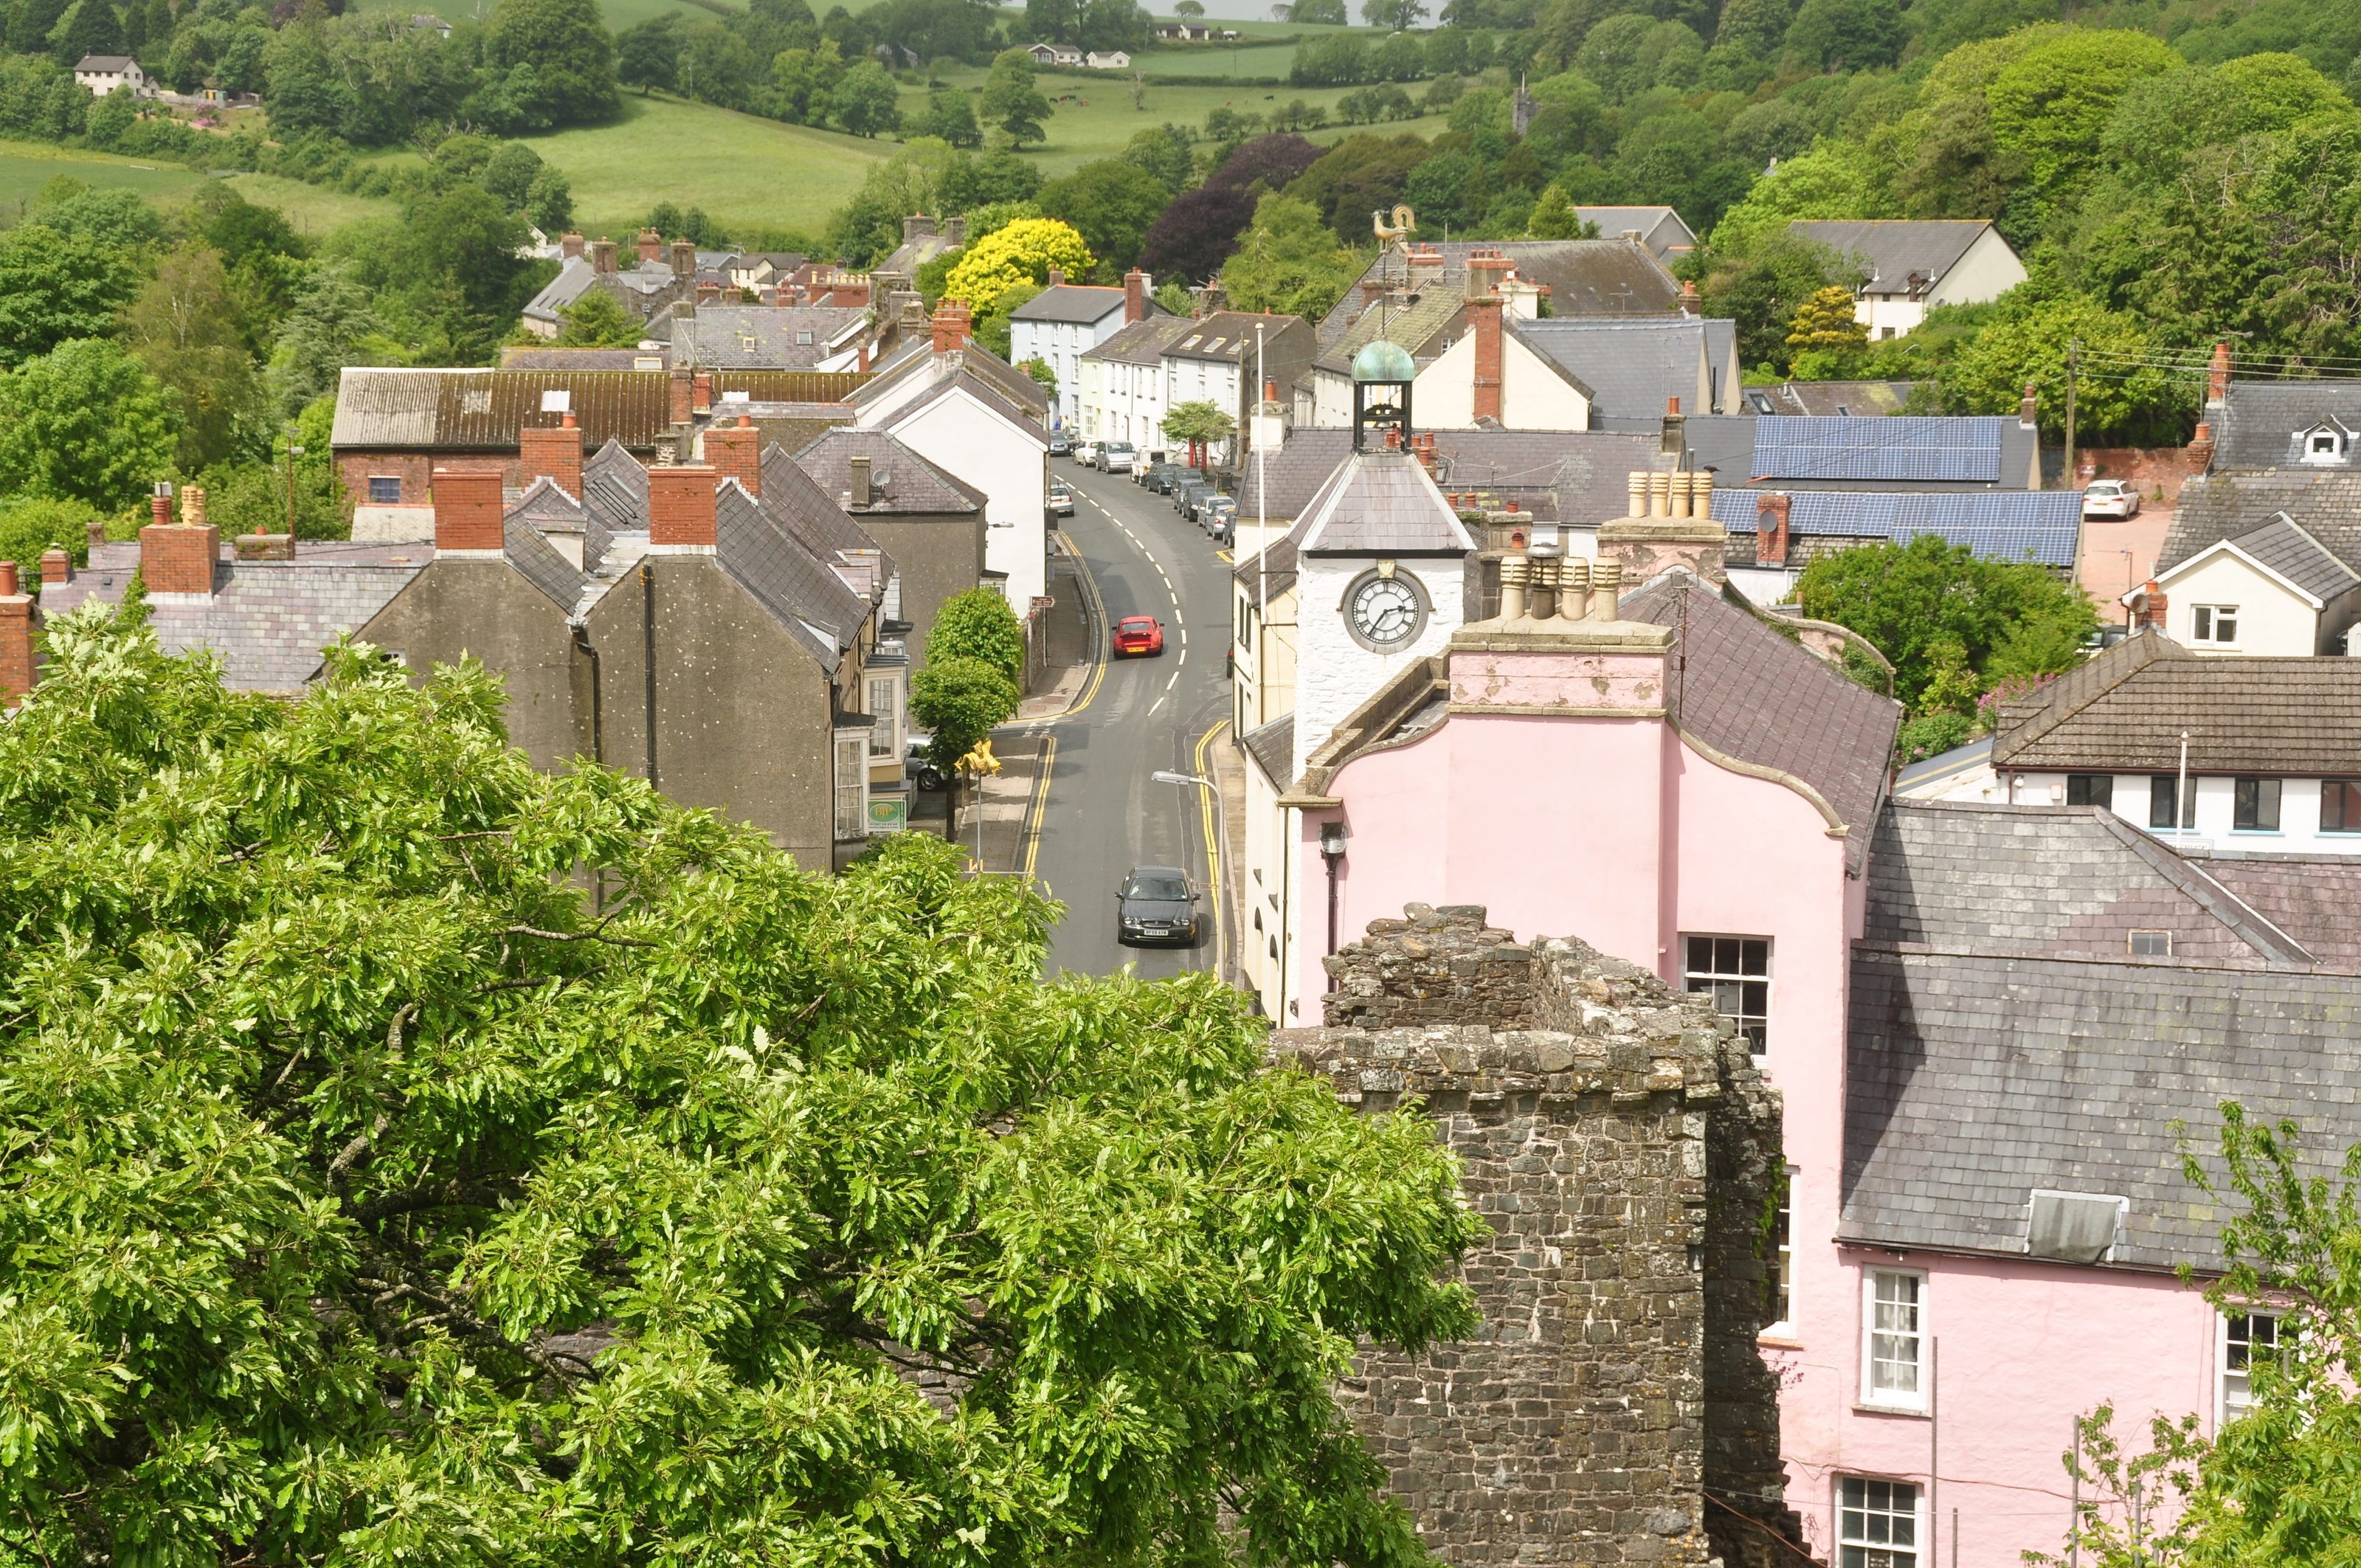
(1066, 321)
(1054, 54)
(2260, 755)
(1107, 59)
(100, 74)
(969, 413)
(2274, 591)
(1122, 382)
(1913, 265)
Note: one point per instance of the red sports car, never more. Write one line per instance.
(1138, 634)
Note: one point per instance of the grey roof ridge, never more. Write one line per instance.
(2135, 654)
(2219, 902)
(2276, 518)
(1516, 329)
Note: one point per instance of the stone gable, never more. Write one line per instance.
(1612, 1408)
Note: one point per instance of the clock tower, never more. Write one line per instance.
(1381, 560)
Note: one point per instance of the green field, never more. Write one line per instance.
(26, 167)
(738, 168)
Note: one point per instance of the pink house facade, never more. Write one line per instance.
(1984, 1207)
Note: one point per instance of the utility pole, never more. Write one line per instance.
(2074, 362)
(293, 452)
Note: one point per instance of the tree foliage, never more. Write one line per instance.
(57, 285)
(1020, 252)
(1111, 203)
(597, 320)
(1010, 100)
(1928, 606)
(86, 421)
(472, 1163)
(978, 624)
(1289, 262)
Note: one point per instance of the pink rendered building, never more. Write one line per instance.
(1982, 1020)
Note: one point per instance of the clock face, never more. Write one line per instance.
(1386, 611)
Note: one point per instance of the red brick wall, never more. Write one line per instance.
(680, 504)
(735, 453)
(2147, 466)
(1484, 320)
(467, 508)
(18, 619)
(175, 558)
(553, 451)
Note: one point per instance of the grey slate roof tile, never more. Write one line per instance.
(901, 480)
(2325, 503)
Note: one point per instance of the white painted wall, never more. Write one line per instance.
(1534, 396)
(1334, 673)
(1061, 345)
(1007, 461)
(1989, 269)
(2273, 619)
(2298, 833)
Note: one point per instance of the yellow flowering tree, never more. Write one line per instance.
(1019, 252)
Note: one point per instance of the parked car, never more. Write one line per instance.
(1224, 528)
(1061, 497)
(1217, 512)
(1061, 443)
(1114, 458)
(1204, 498)
(1156, 903)
(2111, 498)
(1187, 494)
(1177, 474)
(918, 766)
(1138, 634)
(1086, 454)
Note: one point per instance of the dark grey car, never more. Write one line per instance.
(1156, 903)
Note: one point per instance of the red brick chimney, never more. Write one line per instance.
(651, 246)
(178, 557)
(700, 391)
(683, 396)
(680, 506)
(569, 245)
(1770, 510)
(2029, 408)
(950, 325)
(1690, 304)
(57, 566)
(1134, 296)
(1484, 324)
(468, 510)
(18, 620)
(2217, 379)
(602, 255)
(2153, 603)
(735, 452)
(2199, 454)
(554, 453)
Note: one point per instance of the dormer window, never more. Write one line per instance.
(2323, 443)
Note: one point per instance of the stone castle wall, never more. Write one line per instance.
(1612, 1408)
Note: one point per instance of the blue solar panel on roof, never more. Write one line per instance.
(2000, 525)
(1963, 450)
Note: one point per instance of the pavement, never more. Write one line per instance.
(1076, 804)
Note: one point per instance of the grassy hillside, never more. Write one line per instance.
(26, 167)
(738, 168)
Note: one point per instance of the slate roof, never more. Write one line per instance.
(760, 337)
(1279, 569)
(1890, 250)
(812, 601)
(1272, 746)
(267, 621)
(1631, 366)
(983, 391)
(481, 411)
(522, 359)
(1890, 452)
(1999, 525)
(791, 500)
(2056, 882)
(573, 279)
(1973, 1079)
(2286, 548)
(901, 482)
(1380, 503)
(1586, 277)
(1662, 230)
(1078, 303)
(1577, 475)
(1225, 335)
(1843, 399)
(106, 63)
(2325, 503)
(2124, 711)
(1750, 692)
(1140, 342)
(1416, 324)
(2263, 423)
(543, 509)
(2309, 897)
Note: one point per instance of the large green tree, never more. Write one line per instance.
(1111, 203)
(184, 328)
(1011, 101)
(86, 421)
(1289, 261)
(423, 1159)
(570, 51)
(55, 286)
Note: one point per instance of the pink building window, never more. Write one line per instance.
(1877, 1524)
(1736, 972)
(2247, 1338)
(1893, 1348)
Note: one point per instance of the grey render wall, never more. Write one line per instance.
(1612, 1408)
(743, 716)
(938, 556)
(457, 608)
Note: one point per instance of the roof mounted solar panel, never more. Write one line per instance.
(1879, 448)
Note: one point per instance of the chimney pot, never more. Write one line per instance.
(2029, 408)
(468, 510)
(1659, 491)
(1638, 485)
(1515, 571)
(1678, 495)
(1574, 588)
(8, 579)
(684, 258)
(1606, 582)
(681, 505)
(650, 246)
(2217, 379)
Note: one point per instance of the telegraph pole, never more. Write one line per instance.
(2074, 362)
